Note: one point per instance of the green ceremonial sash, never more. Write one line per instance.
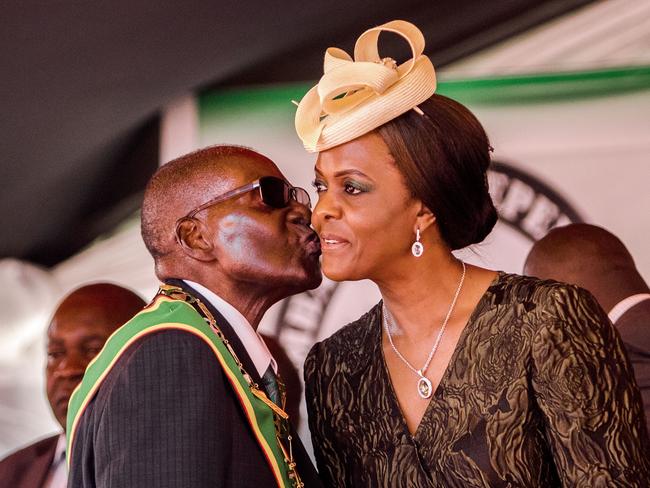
(168, 313)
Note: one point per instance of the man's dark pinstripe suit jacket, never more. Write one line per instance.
(166, 416)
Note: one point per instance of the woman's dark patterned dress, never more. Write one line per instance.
(538, 393)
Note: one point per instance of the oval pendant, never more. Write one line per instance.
(417, 249)
(424, 388)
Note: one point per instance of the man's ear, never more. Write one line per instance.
(424, 218)
(191, 238)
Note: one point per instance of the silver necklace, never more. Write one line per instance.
(425, 389)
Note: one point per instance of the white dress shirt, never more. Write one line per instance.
(58, 475)
(251, 340)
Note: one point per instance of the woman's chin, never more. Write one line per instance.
(335, 272)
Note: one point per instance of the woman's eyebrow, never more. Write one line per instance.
(343, 172)
(347, 172)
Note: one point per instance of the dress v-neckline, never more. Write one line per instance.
(392, 393)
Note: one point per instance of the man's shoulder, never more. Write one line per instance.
(33, 450)
(25, 457)
(155, 361)
(633, 326)
(166, 340)
(164, 347)
(166, 325)
(159, 364)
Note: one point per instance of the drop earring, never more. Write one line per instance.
(417, 248)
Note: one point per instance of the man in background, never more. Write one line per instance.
(595, 259)
(79, 327)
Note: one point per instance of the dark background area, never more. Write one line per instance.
(83, 84)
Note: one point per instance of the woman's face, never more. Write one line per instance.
(365, 216)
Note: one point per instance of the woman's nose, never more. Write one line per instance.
(327, 208)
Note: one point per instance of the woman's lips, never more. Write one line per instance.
(332, 242)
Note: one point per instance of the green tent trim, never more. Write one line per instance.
(502, 90)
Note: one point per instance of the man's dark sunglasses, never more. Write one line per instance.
(275, 192)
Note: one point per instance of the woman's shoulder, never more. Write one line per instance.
(519, 288)
(351, 342)
(521, 283)
(544, 299)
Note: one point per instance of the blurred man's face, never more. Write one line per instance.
(76, 334)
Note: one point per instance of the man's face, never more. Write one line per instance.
(76, 334)
(259, 245)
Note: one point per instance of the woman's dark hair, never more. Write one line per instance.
(444, 156)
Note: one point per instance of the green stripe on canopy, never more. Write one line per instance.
(501, 90)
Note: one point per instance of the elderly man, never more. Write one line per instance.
(77, 332)
(186, 393)
(595, 259)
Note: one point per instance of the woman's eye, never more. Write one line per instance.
(352, 190)
(355, 188)
(318, 186)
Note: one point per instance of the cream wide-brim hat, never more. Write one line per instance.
(356, 96)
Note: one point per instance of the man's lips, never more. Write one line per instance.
(313, 246)
(332, 242)
(310, 242)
